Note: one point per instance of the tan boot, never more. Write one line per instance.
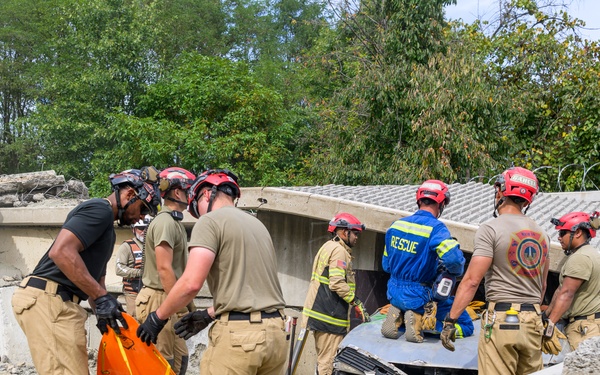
(413, 323)
(392, 322)
(429, 317)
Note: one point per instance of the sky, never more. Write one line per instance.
(586, 10)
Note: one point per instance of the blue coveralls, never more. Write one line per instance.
(464, 324)
(414, 246)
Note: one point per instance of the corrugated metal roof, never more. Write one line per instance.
(471, 203)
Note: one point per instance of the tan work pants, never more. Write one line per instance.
(55, 330)
(511, 348)
(326, 345)
(130, 303)
(239, 347)
(171, 346)
(581, 330)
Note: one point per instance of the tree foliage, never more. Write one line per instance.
(298, 91)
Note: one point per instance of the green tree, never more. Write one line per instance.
(24, 33)
(534, 52)
(206, 112)
(99, 62)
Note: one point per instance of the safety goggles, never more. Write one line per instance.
(562, 232)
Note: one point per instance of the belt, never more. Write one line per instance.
(584, 317)
(504, 306)
(234, 315)
(64, 293)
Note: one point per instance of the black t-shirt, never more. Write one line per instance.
(93, 223)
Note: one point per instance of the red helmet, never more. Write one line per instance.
(223, 179)
(575, 220)
(146, 190)
(435, 190)
(518, 182)
(175, 177)
(345, 220)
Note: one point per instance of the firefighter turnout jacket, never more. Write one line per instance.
(331, 289)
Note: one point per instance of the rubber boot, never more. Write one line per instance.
(413, 323)
(392, 322)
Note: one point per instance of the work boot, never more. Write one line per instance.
(413, 323)
(392, 322)
(429, 317)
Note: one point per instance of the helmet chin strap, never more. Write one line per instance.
(121, 209)
(568, 251)
(498, 204)
(176, 201)
(441, 208)
(213, 193)
(347, 241)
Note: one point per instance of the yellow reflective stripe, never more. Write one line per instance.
(325, 318)
(337, 272)
(445, 246)
(459, 332)
(350, 296)
(322, 279)
(385, 251)
(412, 228)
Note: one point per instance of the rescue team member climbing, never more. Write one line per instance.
(46, 305)
(511, 251)
(576, 299)
(165, 257)
(331, 292)
(233, 251)
(417, 248)
(129, 264)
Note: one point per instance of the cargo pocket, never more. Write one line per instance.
(21, 303)
(247, 340)
(141, 306)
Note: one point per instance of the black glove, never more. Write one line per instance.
(149, 330)
(108, 311)
(448, 335)
(192, 323)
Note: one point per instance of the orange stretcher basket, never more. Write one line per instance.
(126, 354)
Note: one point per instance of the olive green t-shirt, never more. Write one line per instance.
(243, 276)
(519, 248)
(164, 228)
(584, 264)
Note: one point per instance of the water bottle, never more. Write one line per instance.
(512, 316)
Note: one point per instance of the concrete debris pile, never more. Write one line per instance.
(584, 360)
(23, 189)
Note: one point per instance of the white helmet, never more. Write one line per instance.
(143, 224)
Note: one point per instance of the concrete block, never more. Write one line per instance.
(13, 342)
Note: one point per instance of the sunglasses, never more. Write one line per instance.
(562, 232)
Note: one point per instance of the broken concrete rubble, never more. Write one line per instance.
(584, 360)
(20, 190)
